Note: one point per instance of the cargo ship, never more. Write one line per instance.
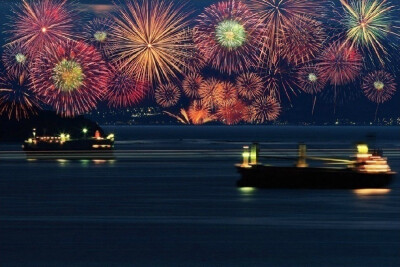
(365, 170)
(65, 147)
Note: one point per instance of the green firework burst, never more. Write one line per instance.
(68, 75)
(230, 34)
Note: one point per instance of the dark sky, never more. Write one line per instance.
(359, 109)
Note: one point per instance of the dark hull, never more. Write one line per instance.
(320, 178)
(72, 150)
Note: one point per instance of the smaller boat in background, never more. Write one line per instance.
(365, 170)
(65, 147)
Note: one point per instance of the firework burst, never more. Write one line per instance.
(97, 32)
(124, 90)
(191, 85)
(226, 94)
(379, 86)
(368, 25)
(280, 17)
(37, 24)
(167, 95)
(16, 100)
(208, 92)
(304, 42)
(15, 59)
(70, 76)
(231, 113)
(339, 64)
(200, 113)
(309, 80)
(149, 40)
(265, 109)
(229, 35)
(250, 86)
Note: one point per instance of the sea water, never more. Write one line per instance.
(169, 199)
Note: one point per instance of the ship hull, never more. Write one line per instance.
(261, 176)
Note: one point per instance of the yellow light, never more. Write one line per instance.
(44, 30)
(362, 149)
(371, 191)
(84, 130)
(111, 137)
(247, 190)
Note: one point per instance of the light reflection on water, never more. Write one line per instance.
(177, 199)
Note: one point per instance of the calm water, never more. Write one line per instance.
(169, 199)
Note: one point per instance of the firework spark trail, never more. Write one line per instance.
(37, 24)
(265, 109)
(149, 40)
(279, 16)
(70, 76)
(250, 86)
(208, 92)
(16, 100)
(124, 90)
(226, 94)
(379, 86)
(167, 95)
(200, 113)
(310, 80)
(15, 59)
(191, 85)
(368, 26)
(229, 36)
(97, 32)
(231, 113)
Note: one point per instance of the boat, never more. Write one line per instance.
(65, 147)
(365, 170)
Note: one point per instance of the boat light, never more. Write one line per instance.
(111, 137)
(246, 155)
(362, 149)
(84, 130)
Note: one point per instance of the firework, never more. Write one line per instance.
(265, 109)
(124, 90)
(231, 113)
(250, 86)
(37, 24)
(368, 25)
(15, 59)
(304, 42)
(16, 100)
(167, 95)
(149, 40)
(70, 76)
(279, 17)
(379, 86)
(226, 94)
(279, 78)
(339, 64)
(97, 32)
(191, 85)
(208, 92)
(182, 117)
(199, 113)
(229, 36)
(309, 80)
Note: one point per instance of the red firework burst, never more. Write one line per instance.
(250, 86)
(15, 59)
(40, 23)
(379, 86)
(280, 18)
(124, 90)
(229, 35)
(304, 41)
(231, 113)
(200, 113)
(191, 85)
(310, 81)
(70, 76)
(167, 95)
(16, 100)
(226, 94)
(340, 64)
(279, 78)
(208, 92)
(265, 109)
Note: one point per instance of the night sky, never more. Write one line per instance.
(359, 108)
